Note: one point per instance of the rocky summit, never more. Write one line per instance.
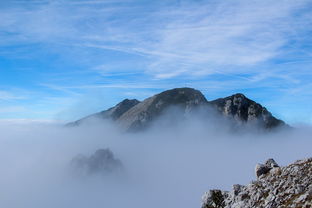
(136, 115)
(144, 113)
(275, 187)
(240, 108)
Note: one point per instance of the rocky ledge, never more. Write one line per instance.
(282, 187)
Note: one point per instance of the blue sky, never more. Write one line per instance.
(63, 59)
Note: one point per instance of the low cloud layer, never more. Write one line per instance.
(162, 168)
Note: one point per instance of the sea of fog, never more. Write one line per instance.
(164, 167)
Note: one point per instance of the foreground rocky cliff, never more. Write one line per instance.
(282, 187)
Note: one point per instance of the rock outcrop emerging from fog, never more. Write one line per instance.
(275, 187)
(133, 115)
(102, 162)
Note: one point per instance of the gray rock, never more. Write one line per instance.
(242, 109)
(288, 186)
(237, 189)
(271, 163)
(261, 169)
(213, 199)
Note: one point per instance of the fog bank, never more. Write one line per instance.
(163, 168)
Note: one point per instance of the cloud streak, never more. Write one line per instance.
(226, 33)
(189, 38)
(6, 96)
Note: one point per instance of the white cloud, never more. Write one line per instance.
(225, 33)
(187, 38)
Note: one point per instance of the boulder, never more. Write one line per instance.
(213, 199)
(261, 169)
(271, 163)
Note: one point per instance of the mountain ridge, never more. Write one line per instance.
(134, 115)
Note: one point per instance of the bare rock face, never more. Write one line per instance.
(214, 199)
(276, 187)
(102, 162)
(271, 163)
(242, 109)
(262, 169)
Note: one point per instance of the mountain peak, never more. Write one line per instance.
(241, 108)
(145, 112)
(135, 115)
(241, 95)
(128, 101)
(181, 96)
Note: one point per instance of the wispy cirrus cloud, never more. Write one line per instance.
(195, 38)
(227, 35)
(7, 96)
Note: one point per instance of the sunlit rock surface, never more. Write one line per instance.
(282, 187)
